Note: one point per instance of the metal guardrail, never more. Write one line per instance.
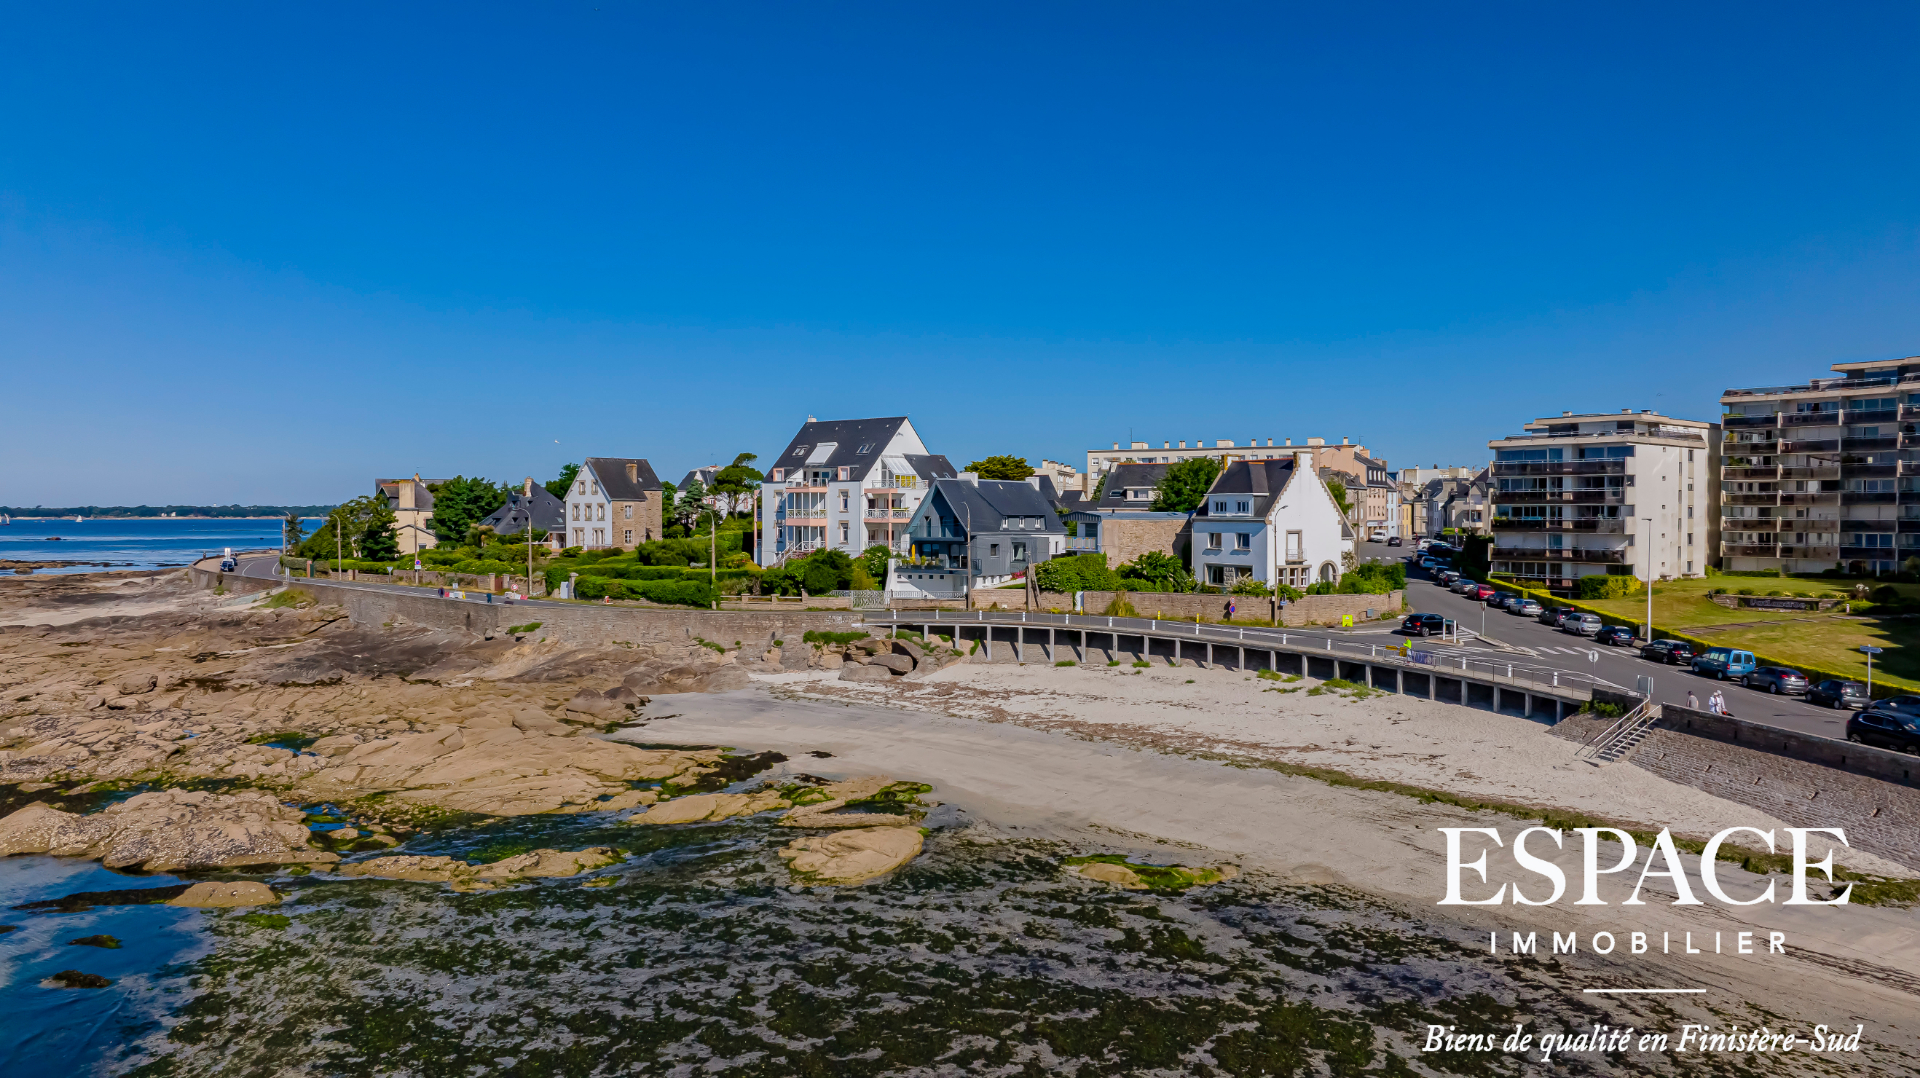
(1277, 639)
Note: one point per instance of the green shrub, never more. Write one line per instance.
(1608, 586)
(1748, 591)
(1373, 578)
(668, 592)
(1066, 662)
(1079, 572)
(814, 636)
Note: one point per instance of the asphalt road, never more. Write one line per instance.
(262, 566)
(1621, 665)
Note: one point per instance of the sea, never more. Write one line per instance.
(97, 543)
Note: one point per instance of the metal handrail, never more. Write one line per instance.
(1260, 636)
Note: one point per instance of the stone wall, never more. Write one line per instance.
(1122, 539)
(1805, 780)
(1185, 606)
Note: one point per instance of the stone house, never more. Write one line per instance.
(615, 502)
(411, 501)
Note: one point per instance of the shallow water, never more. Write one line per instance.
(136, 542)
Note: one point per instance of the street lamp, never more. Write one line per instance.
(1649, 545)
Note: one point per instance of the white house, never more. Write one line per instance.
(846, 485)
(1273, 520)
(615, 501)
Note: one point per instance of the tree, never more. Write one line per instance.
(738, 481)
(1155, 567)
(874, 560)
(559, 487)
(1338, 491)
(345, 529)
(460, 503)
(826, 570)
(1185, 485)
(688, 507)
(1001, 466)
(378, 540)
(292, 532)
(1100, 488)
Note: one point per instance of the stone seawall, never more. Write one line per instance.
(581, 624)
(1804, 780)
(1184, 606)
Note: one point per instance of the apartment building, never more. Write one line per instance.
(1817, 476)
(1599, 492)
(615, 501)
(845, 484)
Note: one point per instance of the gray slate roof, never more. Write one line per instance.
(849, 436)
(612, 473)
(1262, 479)
(704, 476)
(931, 466)
(549, 513)
(986, 505)
(1114, 494)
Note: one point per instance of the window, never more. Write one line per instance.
(599, 537)
(603, 511)
(627, 537)
(1244, 507)
(864, 449)
(843, 497)
(1220, 507)
(1293, 546)
(593, 487)
(627, 514)
(1019, 552)
(843, 528)
(579, 537)
(576, 511)
(1216, 574)
(843, 474)
(1213, 540)
(1243, 541)
(779, 475)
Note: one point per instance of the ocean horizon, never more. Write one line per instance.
(97, 543)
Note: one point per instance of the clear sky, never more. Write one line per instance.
(262, 253)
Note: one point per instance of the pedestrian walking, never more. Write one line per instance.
(1693, 702)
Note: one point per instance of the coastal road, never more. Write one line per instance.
(1622, 665)
(261, 567)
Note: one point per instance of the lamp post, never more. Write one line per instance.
(1649, 522)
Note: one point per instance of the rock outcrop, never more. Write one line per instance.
(168, 830)
(849, 857)
(225, 895)
(696, 807)
(467, 876)
(660, 677)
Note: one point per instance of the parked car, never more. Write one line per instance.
(1462, 585)
(228, 565)
(1429, 564)
(1495, 599)
(1424, 625)
(1581, 624)
(1676, 652)
(1887, 729)
(1450, 577)
(1480, 591)
(1778, 680)
(1510, 603)
(1725, 664)
(1394, 540)
(1554, 615)
(1528, 608)
(1618, 636)
(1837, 693)
(1907, 706)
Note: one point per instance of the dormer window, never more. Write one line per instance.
(867, 448)
(800, 451)
(1244, 507)
(1219, 507)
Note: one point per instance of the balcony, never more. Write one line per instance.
(1825, 497)
(1868, 553)
(1910, 411)
(1810, 419)
(1877, 415)
(1819, 445)
(1861, 497)
(1559, 467)
(1750, 499)
(881, 516)
(1750, 524)
(1811, 553)
(1728, 550)
(1737, 422)
(1562, 554)
(1083, 544)
(1868, 445)
(1572, 524)
(1563, 497)
(1819, 471)
(1730, 474)
(1865, 526)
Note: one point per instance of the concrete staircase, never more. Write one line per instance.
(1625, 735)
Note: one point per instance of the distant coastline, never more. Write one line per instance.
(155, 512)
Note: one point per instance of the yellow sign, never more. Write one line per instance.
(1346, 621)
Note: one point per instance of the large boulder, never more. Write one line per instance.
(865, 673)
(136, 683)
(537, 864)
(594, 703)
(711, 807)
(168, 830)
(899, 664)
(225, 894)
(850, 857)
(659, 678)
(911, 650)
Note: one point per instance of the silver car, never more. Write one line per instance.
(1529, 608)
(1581, 624)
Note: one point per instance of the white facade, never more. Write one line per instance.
(1296, 537)
(845, 485)
(1595, 493)
(587, 523)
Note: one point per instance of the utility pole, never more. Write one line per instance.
(527, 497)
(1649, 522)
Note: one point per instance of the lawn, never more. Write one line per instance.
(1830, 641)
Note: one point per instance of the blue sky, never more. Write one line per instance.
(261, 255)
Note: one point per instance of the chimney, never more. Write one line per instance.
(1626, 411)
(1269, 443)
(1116, 445)
(1316, 441)
(1169, 445)
(969, 477)
(406, 490)
(1289, 442)
(633, 471)
(1343, 440)
(1183, 443)
(810, 419)
(527, 491)
(1566, 413)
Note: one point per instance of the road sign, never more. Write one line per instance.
(1593, 656)
(1346, 621)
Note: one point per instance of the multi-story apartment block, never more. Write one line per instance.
(1596, 493)
(847, 485)
(1820, 475)
(615, 501)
